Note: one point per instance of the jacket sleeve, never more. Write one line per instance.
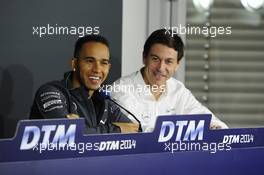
(116, 114)
(49, 102)
(102, 129)
(193, 106)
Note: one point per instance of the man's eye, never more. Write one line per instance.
(89, 61)
(155, 59)
(169, 62)
(105, 63)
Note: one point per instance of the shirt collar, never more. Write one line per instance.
(139, 82)
(68, 80)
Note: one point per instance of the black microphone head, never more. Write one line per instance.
(104, 93)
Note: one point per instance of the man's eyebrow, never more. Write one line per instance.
(105, 59)
(89, 58)
(92, 58)
(171, 59)
(153, 55)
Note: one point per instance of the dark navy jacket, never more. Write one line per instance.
(57, 99)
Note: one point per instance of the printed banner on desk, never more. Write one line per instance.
(63, 138)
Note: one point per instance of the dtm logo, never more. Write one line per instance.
(32, 134)
(187, 130)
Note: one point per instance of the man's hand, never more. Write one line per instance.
(72, 116)
(127, 127)
(215, 124)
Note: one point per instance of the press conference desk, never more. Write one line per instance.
(240, 151)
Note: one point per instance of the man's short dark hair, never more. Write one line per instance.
(167, 38)
(88, 38)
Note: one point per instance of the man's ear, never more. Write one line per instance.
(144, 59)
(177, 66)
(74, 64)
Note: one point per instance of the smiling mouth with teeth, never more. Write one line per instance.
(94, 78)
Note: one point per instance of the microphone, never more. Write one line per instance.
(106, 95)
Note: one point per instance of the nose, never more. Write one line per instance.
(96, 67)
(161, 66)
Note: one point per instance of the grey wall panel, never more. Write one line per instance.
(28, 60)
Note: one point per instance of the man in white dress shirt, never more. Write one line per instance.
(152, 91)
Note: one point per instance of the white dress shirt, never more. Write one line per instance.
(132, 93)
